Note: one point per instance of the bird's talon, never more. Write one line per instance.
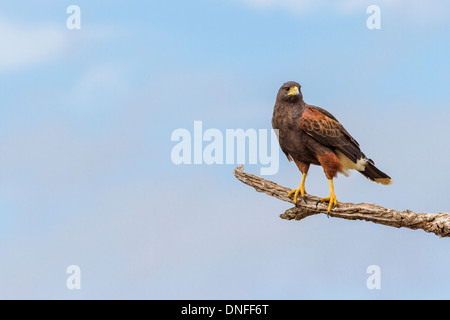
(332, 202)
(296, 192)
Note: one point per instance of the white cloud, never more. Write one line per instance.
(291, 5)
(22, 46)
(100, 77)
(414, 10)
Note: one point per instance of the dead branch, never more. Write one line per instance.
(437, 223)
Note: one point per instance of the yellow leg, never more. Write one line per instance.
(300, 190)
(332, 198)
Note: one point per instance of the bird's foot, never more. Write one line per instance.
(332, 202)
(296, 192)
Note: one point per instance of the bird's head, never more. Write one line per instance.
(290, 92)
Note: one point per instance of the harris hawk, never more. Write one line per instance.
(311, 135)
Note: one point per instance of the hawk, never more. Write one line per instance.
(311, 135)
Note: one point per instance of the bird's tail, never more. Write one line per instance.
(373, 173)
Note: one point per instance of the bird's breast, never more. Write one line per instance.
(293, 140)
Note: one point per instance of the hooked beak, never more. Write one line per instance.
(293, 91)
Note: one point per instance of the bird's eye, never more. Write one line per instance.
(287, 89)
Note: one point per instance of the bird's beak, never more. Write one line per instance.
(293, 91)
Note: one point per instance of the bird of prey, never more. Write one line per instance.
(311, 135)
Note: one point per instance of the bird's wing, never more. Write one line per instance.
(326, 129)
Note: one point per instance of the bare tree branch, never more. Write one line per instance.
(437, 223)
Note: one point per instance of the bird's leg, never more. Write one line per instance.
(332, 201)
(300, 190)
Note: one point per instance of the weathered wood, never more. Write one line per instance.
(437, 223)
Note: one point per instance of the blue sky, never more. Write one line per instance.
(86, 176)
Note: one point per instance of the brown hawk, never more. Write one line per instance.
(311, 135)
